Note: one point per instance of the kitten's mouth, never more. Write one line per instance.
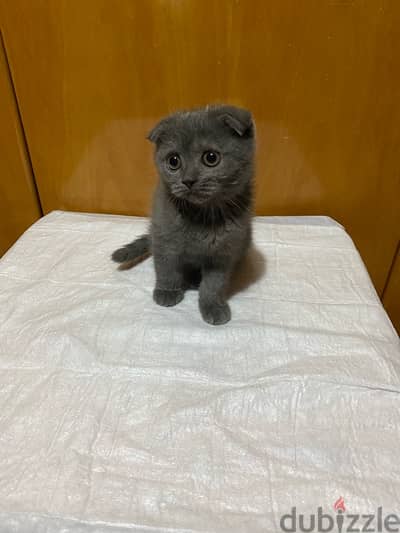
(196, 198)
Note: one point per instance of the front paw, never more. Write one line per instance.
(215, 313)
(167, 298)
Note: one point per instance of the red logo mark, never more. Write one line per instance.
(339, 504)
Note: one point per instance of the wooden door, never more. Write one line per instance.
(391, 295)
(19, 206)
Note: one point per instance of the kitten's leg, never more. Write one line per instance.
(169, 280)
(212, 298)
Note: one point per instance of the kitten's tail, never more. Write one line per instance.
(134, 250)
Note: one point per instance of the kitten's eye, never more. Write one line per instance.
(174, 162)
(210, 158)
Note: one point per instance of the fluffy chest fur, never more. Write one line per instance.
(198, 234)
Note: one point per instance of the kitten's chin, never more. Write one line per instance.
(195, 199)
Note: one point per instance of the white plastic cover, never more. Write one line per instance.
(118, 415)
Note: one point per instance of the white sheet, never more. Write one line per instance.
(118, 415)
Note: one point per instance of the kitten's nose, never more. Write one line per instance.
(188, 181)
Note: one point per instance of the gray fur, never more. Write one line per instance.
(201, 218)
(133, 250)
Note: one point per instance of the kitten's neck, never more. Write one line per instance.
(217, 213)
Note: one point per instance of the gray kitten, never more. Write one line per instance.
(201, 219)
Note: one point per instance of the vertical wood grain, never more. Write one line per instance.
(19, 206)
(320, 76)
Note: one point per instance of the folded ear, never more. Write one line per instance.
(155, 134)
(238, 119)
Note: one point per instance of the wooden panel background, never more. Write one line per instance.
(321, 77)
(391, 296)
(19, 205)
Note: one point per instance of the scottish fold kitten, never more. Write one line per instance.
(201, 218)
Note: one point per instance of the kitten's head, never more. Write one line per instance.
(205, 156)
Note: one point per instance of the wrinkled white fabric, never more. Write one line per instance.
(118, 415)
